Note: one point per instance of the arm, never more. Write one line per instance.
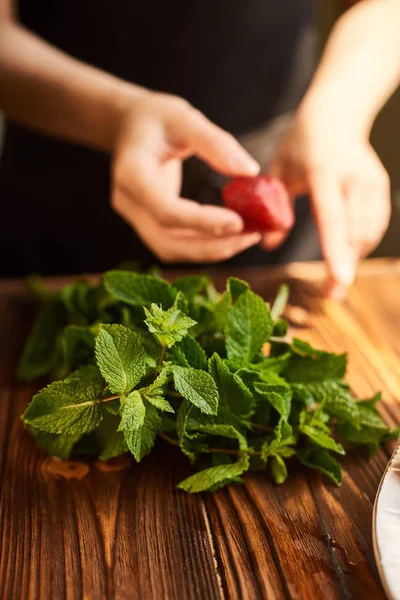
(360, 67)
(148, 134)
(328, 154)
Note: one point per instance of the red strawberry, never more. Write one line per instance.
(262, 202)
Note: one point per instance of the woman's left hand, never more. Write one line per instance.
(348, 186)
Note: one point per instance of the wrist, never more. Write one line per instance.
(120, 100)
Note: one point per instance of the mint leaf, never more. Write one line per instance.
(181, 302)
(140, 441)
(249, 325)
(181, 430)
(318, 434)
(278, 469)
(320, 459)
(75, 299)
(141, 290)
(169, 326)
(208, 478)
(233, 394)
(236, 286)
(133, 412)
(109, 442)
(281, 441)
(70, 407)
(115, 446)
(39, 354)
(189, 353)
(279, 397)
(120, 357)
(335, 396)
(154, 393)
(191, 285)
(310, 365)
(196, 386)
(77, 346)
(54, 444)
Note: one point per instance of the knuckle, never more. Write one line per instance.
(179, 104)
(166, 217)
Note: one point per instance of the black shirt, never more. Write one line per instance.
(232, 59)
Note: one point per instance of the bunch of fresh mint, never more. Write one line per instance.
(137, 357)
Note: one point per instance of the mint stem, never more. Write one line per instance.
(232, 451)
(260, 427)
(159, 362)
(280, 302)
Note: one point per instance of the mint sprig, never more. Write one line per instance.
(137, 358)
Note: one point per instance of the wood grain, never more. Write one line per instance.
(76, 529)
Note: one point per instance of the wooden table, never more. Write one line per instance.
(121, 530)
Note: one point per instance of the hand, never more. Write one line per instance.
(348, 187)
(156, 134)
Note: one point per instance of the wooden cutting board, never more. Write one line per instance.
(72, 530)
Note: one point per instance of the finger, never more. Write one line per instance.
(332, 223)
(211, 250)
(187, 245)
(145, 188)
(369, 214)
(218, 148)
(274, 239)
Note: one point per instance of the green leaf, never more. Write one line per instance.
(181, 302)
(75, 299)
(320, 459)
(310, 365)
(60, 446)
(141, 290)
(70, 407)
(141, 441)
(77, 346)
(249, 325)
(110, 442)
(39, 354)
(233, 394)
(191, 285)
(209, 478)
(116, 445)
(276, 364)
(198, 387)
(279, 397)
(278, 469)
(133, 412)
(121, 357)
(169, 326)
(280, 328)
(154, 393)
(236, 286)
(336, 397)
(371, 432)
(221, 311)
(369, 416)
(281, 440)
(189, 353)
(181, 429)
(321, 438)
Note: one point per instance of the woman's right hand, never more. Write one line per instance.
(155, 134)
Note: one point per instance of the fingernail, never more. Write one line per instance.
(345, 273)
(230, 227)
(247, 165)
(257, 237)
(337, 292)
